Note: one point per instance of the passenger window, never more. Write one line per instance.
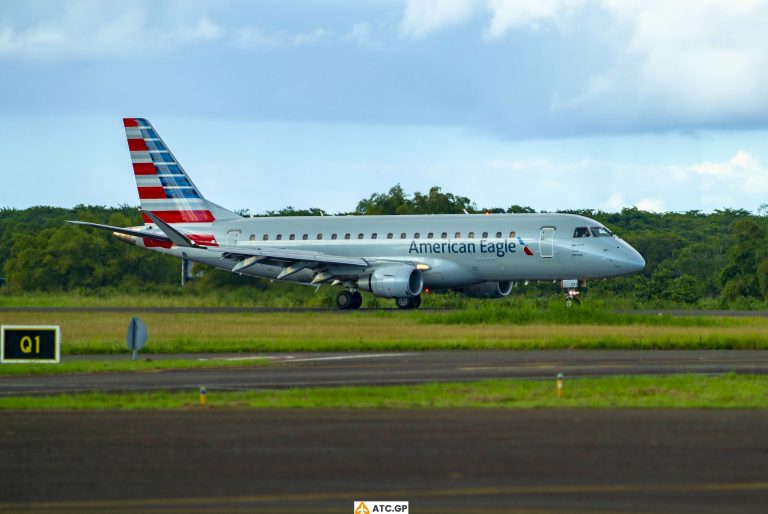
(360, 236)
(266, 237)
(458, 235)
(279, 237)
(430, 235)
(512, 234)
(498, 235)
(416, 235)
(444, 235)
(581, 232)
(253, 237)
(471, 235)
(389, 236)
(347, 236)
(374, 235)
(402, 235)
(485, 235)
(292, 237)
(333, 236)
(305, 237)
(319, 236)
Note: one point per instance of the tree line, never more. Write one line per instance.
(691, 257)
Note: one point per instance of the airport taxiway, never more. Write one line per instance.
(442, 461)
(389, 368)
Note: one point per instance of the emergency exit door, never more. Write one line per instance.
(547, 242)
(233, 236)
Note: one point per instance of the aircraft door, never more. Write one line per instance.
(232, 237)
(547, 242)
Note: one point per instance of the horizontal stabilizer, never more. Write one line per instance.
(127, 231)
(174, 235)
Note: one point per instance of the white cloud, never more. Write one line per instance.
(313, 36)
(614, 203)
(676, 64)
(650, 204)
(743, 172)
(252, 38)
(738, 182)
(512, 14)
(422, 17)
(362, 34)
(87, 30)
(692, 61)
(204, 30)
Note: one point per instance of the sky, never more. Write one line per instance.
(553, 104)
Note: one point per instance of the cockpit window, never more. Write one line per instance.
(581, 232)
(600, 232)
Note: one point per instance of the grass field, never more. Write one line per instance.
(104, 332)
(681, 391)
(122, 366)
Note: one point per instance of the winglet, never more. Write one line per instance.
(174, 235)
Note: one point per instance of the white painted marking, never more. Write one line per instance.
(309, 359)
(249, 358)
(362, 356)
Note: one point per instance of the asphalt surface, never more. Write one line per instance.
(333, 369)
(441, 461)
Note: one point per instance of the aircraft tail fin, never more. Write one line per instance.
(164, 187)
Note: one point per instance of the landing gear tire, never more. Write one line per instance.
(344, 300)
(572, 301)
(406, 302)
(357, 300)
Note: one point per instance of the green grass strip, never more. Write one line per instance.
(678, 391)
(113, 366)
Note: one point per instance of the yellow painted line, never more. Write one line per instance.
(271, 509)
(401, 494)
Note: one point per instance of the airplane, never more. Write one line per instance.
(398, 257)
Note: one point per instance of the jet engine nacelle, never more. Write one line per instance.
(394, 282)
(488, 289)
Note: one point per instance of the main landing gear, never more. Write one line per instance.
(349, 300)
(408, 302)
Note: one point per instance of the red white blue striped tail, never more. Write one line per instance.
(164, 188)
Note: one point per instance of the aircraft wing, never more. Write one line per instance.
(251, 256)
(121, 230)
(325, 267)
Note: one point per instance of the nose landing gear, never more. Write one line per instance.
(571, 288)
(572, 297)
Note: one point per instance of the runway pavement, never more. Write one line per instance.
(441, 461)
(333, 369)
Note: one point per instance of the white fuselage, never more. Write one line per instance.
(456, 250)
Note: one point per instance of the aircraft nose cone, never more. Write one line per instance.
(635, 262)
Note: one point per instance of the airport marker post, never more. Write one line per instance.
(559, 385)
(137, 336)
